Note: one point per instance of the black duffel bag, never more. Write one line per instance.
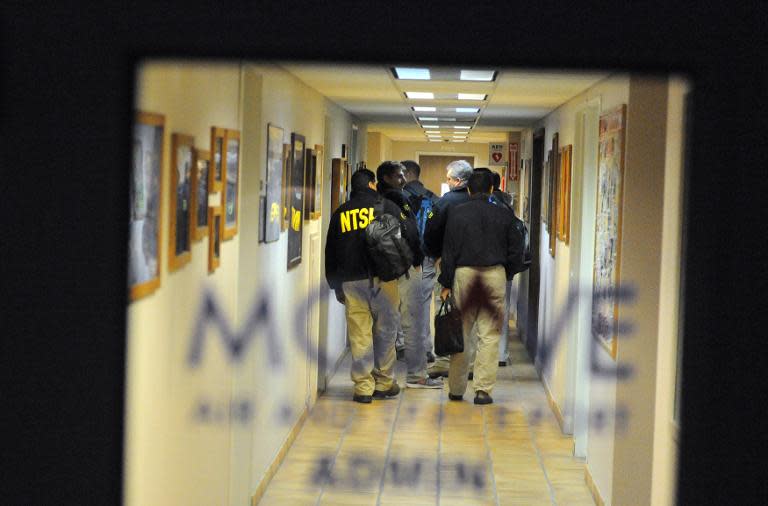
(449, 338)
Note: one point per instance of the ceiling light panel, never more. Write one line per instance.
(420, 95)
(472, 110)
(411, 73)
(423, 109)
(430, 126)
(472, 96)
(461, 127)
(477, 75)
(425, 118)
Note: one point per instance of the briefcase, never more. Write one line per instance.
(449, 338)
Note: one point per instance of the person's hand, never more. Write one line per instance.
(340, 295)
(445, 293)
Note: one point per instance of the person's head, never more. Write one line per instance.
(457, 173)
(363, 179)
(391, 172)
(480, 182)
(496, 181)
(412, 170)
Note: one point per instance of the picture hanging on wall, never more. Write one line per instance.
(180, 208)
(215, 237)
(545, 182)
(608, 219)
(262, 217)
(296, 200)
(286, 181)
(200, 194)
(232, 180)
(554, 164)
(272, 222)
(216, 181)
(146, 194)
(564, 194)
(338, 183)
(317, 177)
(310, 162)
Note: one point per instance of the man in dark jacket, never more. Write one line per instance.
(391, 180)
(371, 305)
(457, 174)
(480, 251)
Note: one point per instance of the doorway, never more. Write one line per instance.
(531, 329)
(433, 168)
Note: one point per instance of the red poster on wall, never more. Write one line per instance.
(514, 162)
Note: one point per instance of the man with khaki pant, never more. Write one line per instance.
(371, 305)
(481, 250)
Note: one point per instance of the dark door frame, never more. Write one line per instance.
(534, 272)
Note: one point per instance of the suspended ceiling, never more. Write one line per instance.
(515, 99)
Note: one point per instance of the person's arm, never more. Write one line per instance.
(514, 250)
(450, 251)
(434, 230)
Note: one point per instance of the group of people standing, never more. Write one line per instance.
(464, 245)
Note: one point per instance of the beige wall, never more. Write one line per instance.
(172, 458)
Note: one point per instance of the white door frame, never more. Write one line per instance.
(580, 272)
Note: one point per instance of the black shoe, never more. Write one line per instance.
(400, 354)
(482, 398)
(455, 397)
(437, 374)
(470, 376)
(393, 391)
(365, 399)
(431, 357)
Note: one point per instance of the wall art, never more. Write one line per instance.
(180, 208)
(608, 219)
(146, 201)
(273, 219)
(310, 163)
(216, 181)
(232, 181)
(317, 178)
(285, 195)
(202, 164)
(296, 200)
(215, 237)
(564, 194)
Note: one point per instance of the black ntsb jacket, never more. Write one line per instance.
(346, 255)
(479, 234)
(436, 220)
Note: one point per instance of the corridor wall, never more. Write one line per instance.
(208, 433)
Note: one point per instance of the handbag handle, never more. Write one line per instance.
(451, 303)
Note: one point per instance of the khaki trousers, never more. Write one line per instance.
(372, 320)
(485, 314)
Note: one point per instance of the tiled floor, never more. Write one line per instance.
(419, 448)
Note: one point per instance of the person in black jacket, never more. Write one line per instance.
(481, 248)
(371, 305)
(457, 174)
(391, 180)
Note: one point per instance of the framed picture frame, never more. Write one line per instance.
(317, 177)
(216, 175)
(215, 237)
(285, 194)
(310, 164)
(146, 195)
(274, 194)
(608, 222)
(553, 188)
(564, 194)
(200, 173)
(229, 195)
(180, 195)
(296, 199)
(545, 183)
(338, 183)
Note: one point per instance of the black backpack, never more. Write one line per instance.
(525, 261)
(388, 250)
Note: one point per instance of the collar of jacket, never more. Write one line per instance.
(460, 189)
(360, 193)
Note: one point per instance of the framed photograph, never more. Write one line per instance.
(216, 181)
(564, 194)
(545, 183)
(285, 194)
(344, 152)
(274, 199)
(554, 164)
(232, 179)
(202, 164)
(317, 178)
(338, 183)
(215, 237)
(180, 208)
(310, 163)
(610, 181)
(296, 200)
(262, 218)
(146, 193)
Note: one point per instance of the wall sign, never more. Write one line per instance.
(496, 155)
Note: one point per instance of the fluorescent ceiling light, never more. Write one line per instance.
(460, 136)
(435, 140)
(462, 127)
(429, 126)
(472, 96)
(477, 75)
(468, 109)
(411, 73)
(433, 134)
(420, 94)
(424, 109)
(447, 119)
(427, 119)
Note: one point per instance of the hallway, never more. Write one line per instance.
(421, 449)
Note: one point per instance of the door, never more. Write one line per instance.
(531, 328)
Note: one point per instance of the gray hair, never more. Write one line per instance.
(459, 169)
